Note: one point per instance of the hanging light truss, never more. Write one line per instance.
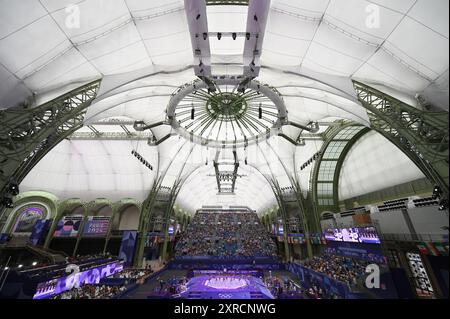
(229, 116)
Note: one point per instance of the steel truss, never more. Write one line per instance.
(422, 135)
(227, 2)
(27, 135)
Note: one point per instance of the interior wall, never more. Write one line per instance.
(129, 218)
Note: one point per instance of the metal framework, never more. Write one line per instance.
(226, 180)
(227, 2)
(227, 117)
(326, 172)
(422, 135)
(27, 135)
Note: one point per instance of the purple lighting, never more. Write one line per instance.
(226, 287)
(91, 276)
(226, 282)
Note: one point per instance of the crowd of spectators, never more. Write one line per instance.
(91, 292)
(376, 258)
(315, 291)
(133, 275)
(343, 269)
(226, 235)
(282, 287)
(173, 286)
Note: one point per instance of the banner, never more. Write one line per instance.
(96, 226)
(128, 246)
(4, 238)
(296, 238)
(39, 232)
(433, 248)
(68, 226)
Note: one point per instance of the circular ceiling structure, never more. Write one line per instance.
(226, 114)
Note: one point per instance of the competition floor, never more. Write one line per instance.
(226, 287)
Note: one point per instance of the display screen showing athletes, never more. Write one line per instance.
(366, 235)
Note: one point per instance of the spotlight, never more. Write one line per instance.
(443, 204)
(219, 35)
(13, 188)
(7, 202)
(436, 192)
(234, 35)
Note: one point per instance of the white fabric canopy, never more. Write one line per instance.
(372, 164)
(142, 51)
(90, 169)
(401, 44)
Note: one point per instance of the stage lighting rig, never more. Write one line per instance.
(142, 159)
(13, 189)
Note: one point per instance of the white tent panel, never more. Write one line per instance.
(430, 63)
(372, 164)
(434, 16)
(20, 49)
(251, 190)
(63, 69)
(355, 13)
(18, 15)
(91, 169)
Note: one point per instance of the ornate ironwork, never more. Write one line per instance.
(27, 135)
(422, 135)
(229, 116)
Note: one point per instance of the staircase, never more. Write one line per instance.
(53, 256)
(17, 241)
(194, 295)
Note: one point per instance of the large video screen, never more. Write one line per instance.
(366, 235)
(91, 276)
(96, 226)
(28, 218)
(68, 226)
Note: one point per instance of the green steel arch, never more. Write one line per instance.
(421, 135)
(28, 134)
(326, 171)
